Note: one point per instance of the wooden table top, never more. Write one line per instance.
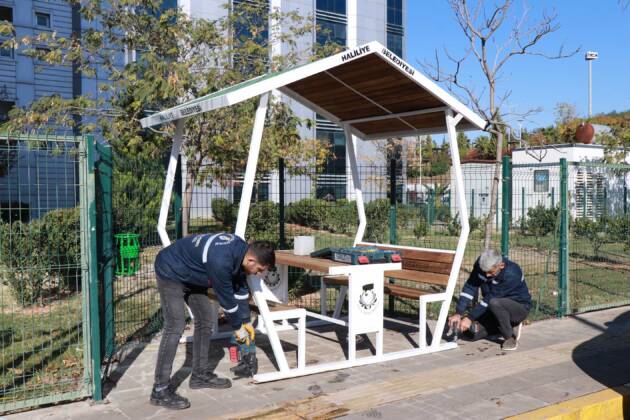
(321, 265)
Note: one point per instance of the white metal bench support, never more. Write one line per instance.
(451, 122)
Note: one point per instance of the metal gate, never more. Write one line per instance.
(44, 270)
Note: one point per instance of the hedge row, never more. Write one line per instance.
(41, 255)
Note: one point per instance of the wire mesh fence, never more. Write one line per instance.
(599, 232)
(43, 353)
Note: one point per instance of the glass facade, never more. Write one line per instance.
(332, 175)
(395, 30)
(332, 25)
(332, 6)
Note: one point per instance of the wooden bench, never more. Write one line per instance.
(421, 266)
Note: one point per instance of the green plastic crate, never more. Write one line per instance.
(128, 261)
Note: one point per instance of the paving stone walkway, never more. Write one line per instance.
(557, 360)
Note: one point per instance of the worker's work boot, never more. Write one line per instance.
(207, 379)
(168, 398)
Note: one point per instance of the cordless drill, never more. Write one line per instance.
(245, 356)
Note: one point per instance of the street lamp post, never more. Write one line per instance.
(590, 56)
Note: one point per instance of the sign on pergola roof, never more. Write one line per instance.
(368, 89)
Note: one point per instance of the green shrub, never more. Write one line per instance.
(62, 229)
(262, 223)
(541, 220)
(454, 227)
(309, 212)
(377, 215)
(224, 212)
(342, 217)
(594, 231)
(138, 184)
(41, 254)
(443, 213)
(476, 223)
(421, 229)
(23, 260)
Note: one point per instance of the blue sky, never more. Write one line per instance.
(599, 25)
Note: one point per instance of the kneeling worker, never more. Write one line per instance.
(185, 270)
(506, 300)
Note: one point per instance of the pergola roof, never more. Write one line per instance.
(369, 89)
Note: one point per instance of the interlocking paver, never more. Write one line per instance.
(556, 360)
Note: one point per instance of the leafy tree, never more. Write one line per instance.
(177, 59)
(483, 24)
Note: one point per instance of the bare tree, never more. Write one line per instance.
(483, 27)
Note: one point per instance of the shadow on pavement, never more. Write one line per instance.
(605, 357)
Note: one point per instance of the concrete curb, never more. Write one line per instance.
(610, 404)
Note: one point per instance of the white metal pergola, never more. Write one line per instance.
(372, 94)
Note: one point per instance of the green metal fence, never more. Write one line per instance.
(78, 242)
(599, 236)
(44, 266)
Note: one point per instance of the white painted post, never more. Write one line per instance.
(252, 162)
(168, 185)
(451, 122)
(356, 181)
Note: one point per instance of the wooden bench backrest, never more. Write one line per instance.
(421, 259)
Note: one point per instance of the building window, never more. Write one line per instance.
(395, 30)
(331, 22)
(541, 181)
(42, 19)
(6, 15)
(331, 180)
(395, 43)
(5, 107)
(333, 6)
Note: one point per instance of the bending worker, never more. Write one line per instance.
(185, 270)
(506, 300)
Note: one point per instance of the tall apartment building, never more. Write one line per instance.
(349, 23)
(24, 79)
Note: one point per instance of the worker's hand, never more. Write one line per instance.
(454, 320)
(465, 324)
(245, 334)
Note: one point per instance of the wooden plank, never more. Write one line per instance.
(418, 276)
(320, 265)
(405, 292)
(418, 254)
(428, 266)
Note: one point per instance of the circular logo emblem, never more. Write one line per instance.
(368, 299)
(272, 279)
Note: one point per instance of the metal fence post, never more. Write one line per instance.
(93, 289)
(553, 197)
(177, 203)
(104, 175)
(505, 211)
(472, 202)
(625, 197)
(563, 255)
(392, 201)
(281, 231)
(522, 205)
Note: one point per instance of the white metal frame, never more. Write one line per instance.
(360, 277)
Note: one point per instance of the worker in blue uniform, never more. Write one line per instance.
(184, 271)
(505, 303)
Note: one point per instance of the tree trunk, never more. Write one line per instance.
(191, 177)
(493, 192)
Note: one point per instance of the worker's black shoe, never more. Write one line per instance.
(207, 379)
(168, 398)
(247, 367)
